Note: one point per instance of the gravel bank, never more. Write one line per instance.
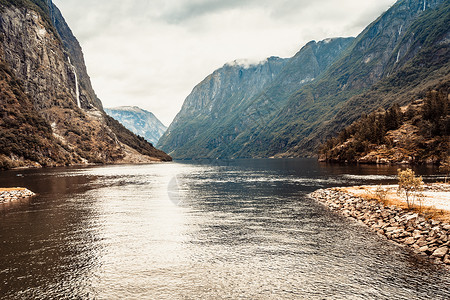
(424, 236)
(7, 195)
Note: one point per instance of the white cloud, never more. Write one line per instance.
(151, 53)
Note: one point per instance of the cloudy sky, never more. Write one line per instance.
(151, 53)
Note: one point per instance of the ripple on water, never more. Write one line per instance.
(243, 230)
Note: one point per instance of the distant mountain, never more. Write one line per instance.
(138, 121)
(50, 115)
(235, 99)
(324, 88)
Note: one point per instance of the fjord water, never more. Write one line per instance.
(242, 229)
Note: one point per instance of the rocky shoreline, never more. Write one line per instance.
(426, 237)
(8, 195)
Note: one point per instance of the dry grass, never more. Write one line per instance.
(427, 207)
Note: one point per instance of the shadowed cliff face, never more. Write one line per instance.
(218, 97)
(239, 99)
(48, 65)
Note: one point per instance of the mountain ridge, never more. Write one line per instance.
(212, 94)
(392, 47)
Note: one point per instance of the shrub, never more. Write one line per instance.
(381, 193)
(409, 186)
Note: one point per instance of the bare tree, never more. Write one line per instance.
(410, 187)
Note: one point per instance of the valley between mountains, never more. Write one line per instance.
(290, 107)
(279, 107)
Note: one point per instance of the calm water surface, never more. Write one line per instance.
(240, 229)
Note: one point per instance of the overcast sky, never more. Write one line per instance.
(151, 53)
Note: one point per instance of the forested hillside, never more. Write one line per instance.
(414, 134)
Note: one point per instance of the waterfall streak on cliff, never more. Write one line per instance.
(77, 89)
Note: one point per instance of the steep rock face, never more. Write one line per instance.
(307, 66)
(88, 98)
(138, 121)
(36, 57)
(234, 120)
(218, 96)
(52, 74)
(381, 46)
(25, 137)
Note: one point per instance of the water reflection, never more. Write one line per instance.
(231, 229)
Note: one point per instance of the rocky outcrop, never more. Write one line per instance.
(139, 121)
(12, 194)
(44, 61)
(424, 236)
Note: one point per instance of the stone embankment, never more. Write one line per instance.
(7, 195)
(425, 236)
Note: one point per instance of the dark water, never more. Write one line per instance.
(212, 230)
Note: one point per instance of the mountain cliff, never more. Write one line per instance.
(237, 99)
(217, 98)
(395, 59)
(46, 83)
(138, 121)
